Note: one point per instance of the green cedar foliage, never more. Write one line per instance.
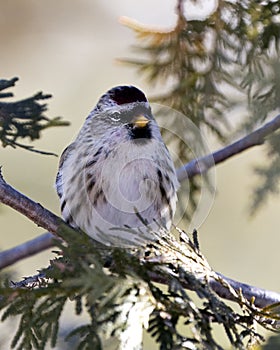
(24, 119)
(220, 70)
(237, 47)
(176, 318)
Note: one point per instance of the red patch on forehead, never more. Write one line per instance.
(127, 94)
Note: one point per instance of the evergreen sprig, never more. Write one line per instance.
(206, 67)
(24, 119)
(77, 275)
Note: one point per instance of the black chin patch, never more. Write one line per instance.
(126, 94)
(139, 134)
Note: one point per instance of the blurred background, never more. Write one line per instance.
(70, 49)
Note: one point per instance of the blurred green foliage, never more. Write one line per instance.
(207, 67)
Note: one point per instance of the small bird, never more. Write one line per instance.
(117, 181)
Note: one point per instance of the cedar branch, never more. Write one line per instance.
(189, 170)
(46, 219)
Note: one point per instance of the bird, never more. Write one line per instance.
(116, 181)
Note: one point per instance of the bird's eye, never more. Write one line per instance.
(115, 117)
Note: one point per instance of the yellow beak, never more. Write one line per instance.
(140, 121)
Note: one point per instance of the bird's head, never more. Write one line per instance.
(125, 107)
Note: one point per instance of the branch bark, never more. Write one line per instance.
(26, 206)
(189, 170)
(26, 249)
(46, 219)
(203, 164)
(36, 213)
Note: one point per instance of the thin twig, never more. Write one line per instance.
(189, 170)
(36, 213)
(26, 249)
(26, 206)
(260, 296)
(46, 219)
(203, 164)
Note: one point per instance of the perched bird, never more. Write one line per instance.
(117, 181)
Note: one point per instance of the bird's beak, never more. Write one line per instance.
(140, 121)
